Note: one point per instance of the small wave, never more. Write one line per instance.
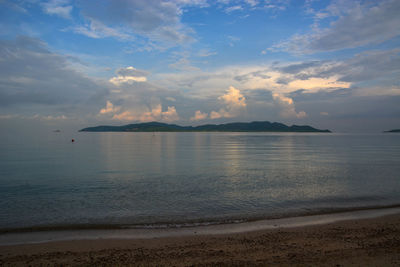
(191, 224)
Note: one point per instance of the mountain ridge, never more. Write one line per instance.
(393, 131)
(254, 126)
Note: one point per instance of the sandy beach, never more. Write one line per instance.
(360, 242)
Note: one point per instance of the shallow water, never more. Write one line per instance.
(146, 178)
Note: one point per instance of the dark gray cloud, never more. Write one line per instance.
(355, 25)
(283, 80)
(370, 65)
(361, 26)
(30, 74)
(341, 111)
(364, 67)
(155, 20)
(331, 95)
(298, 67)
(256, 74)
(258, 95)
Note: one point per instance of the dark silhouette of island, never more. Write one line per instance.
(393, 131)
(255, 126)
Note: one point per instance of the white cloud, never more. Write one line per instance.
(125, 116)
(233, 98)
(287, 107)
(169, 98)
(170, 115)
(280, 79)
(96, 29)
(128, 75)
(234, 101)
(276, 5)
(8, 116)
(109, 108)
(60, 8)
(206, 53)
(199, 116)
(222, 113)
(154, 114)
(53, 118)
(128, 79)
(233, 8)
(34, 117)
(316, 84)
(252, 2)
(290, 82)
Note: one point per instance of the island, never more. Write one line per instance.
(393, 131)
(255, 126)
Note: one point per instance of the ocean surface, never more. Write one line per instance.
(173, 179)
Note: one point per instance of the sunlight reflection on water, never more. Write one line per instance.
(133, 178)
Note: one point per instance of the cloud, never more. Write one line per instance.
(169, 98)
(131, 71)
(251, 75)
(51, 118)
(233, 98)
(316, 84)
(374, 66)
(257, 84)
(32, 75)
(356, 25)
(233, 8)
(252, 2)
(287, 108)
(109, 108)
(170, 115)
(234, 101)
(370, 65)
(34, 117)
(206, 53)
(183, 64)
(152, 21)
(14, 6)
(199, 116)
(128, 75)
(222, 113)
(60, 8)
(296, 86)
(276, 5)
(232, 40)
(154, 114)
(96, 29)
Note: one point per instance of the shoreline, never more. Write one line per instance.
(133, 232)
(359, 240)
(191, 223)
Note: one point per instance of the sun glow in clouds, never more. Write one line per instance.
(154, 61)
(234, 101)
(128, 75)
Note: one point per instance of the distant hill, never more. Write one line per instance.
(393, 131)
(255, 126)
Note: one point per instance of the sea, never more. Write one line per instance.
(168, 179)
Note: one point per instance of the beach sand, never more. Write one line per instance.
(363, 242)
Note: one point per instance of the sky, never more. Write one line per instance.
(77, 63)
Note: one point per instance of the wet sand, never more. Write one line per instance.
(360, 242)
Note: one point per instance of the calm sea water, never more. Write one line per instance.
(146, 178)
